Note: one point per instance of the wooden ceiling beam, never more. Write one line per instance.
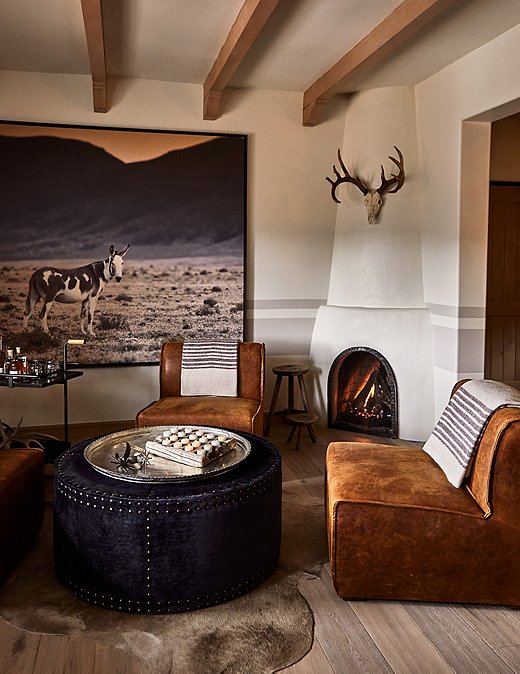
(93, 20)
(398, 27)
(252, 17)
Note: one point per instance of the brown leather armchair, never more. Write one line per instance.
(397, 529)
(243, 413)
(22, 503)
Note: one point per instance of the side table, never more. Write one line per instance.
(61, 377)
(159, 547)
(289, 371)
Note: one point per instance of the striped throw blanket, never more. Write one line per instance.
(209, 368)
(460, 427)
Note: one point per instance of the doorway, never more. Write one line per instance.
(502, 343)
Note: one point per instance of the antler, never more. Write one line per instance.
(347, 178)
(8, 434)
(397, 180)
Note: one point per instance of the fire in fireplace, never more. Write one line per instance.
(362, 393)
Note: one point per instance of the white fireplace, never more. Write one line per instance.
(403, 336)
(376, 296)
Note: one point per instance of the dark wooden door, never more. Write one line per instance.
(502, 357)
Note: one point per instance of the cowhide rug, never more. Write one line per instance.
(266, 630)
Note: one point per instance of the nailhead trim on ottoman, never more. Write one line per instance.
(166, 547)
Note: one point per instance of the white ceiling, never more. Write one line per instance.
(178, 40)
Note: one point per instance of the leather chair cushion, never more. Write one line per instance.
(236, 413)
(394, 476)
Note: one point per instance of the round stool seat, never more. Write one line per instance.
(290, 370)
(156, 547)
(299, 421)
(302, 419)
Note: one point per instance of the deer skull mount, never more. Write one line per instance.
(373, 198)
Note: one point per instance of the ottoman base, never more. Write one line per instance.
(166, 548)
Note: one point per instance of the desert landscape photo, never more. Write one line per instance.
(66, 200)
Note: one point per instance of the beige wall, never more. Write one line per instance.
(454, 110)
(291, 218)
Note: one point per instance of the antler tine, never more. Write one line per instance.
(17, 427)
(4, 437)
(7, 438)
(347, 178)
(397, 180)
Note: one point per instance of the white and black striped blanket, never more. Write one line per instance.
(209, 368)
(460, 427)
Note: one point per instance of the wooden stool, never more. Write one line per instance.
(289, 371)
(299, 421)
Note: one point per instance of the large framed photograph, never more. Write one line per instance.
(125, 238)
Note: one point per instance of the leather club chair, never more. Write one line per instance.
(22, 503)
(243, 413)
(397, 529)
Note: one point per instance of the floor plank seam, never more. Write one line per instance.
(485, 638)
(441, 656)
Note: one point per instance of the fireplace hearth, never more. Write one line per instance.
(362, 393)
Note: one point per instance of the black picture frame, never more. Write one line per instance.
(178, 199)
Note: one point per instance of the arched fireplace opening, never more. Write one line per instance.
(362, 393)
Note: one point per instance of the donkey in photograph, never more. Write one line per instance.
(82, 284)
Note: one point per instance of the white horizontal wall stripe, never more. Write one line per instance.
(284, 326)
(284, 314)
(442, 309)
(472, 323)
(285, 304)
(458, 323)
(456, 312)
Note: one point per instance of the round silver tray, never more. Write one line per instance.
(101, 455)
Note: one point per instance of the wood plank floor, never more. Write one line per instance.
(383, 636)
(350, 636)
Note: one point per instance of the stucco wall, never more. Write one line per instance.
(378, 265)
(376, 297)
(292, 219)
(454, 109)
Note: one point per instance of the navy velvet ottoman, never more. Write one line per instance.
(166, 547)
